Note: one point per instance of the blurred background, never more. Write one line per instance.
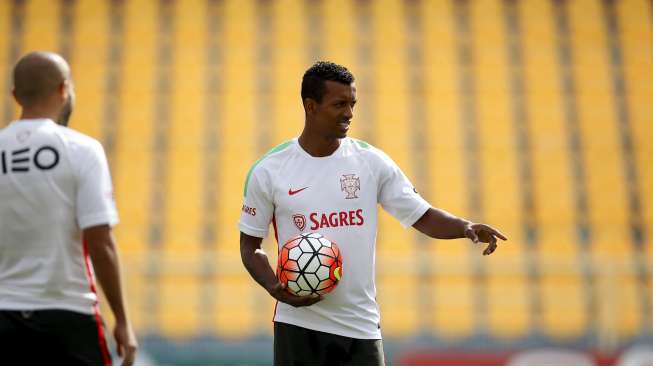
(535, 116)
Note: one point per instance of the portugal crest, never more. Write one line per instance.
(299, 221)
(350, 184)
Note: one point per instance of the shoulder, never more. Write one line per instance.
(83, 151)
(78, 141)
(4, 131)
(370, 153)
(274, 156)
(270, 161)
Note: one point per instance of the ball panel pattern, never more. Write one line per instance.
(309, 264)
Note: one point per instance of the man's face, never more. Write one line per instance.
(331, 117)
(68, 106)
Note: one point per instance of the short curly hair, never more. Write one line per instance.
(313, 85)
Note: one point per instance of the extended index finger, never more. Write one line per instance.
(497, 233)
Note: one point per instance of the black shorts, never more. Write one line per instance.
(52, 337)
(297, 346)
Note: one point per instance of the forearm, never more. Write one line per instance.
(107, 271)
(440, 224)
(256, 263)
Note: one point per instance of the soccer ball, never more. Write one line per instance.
(309, 264)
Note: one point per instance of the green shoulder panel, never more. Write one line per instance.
(362, 144)
(272, 151)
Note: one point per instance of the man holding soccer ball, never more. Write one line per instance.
(328, 183)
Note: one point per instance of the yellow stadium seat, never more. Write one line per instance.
(134, 128)
(290, 59)
(552, 168)
(90, 66)
(178, 302)
(636, 29)
(603, 159)
(41, 28)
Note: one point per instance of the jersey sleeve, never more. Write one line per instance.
(397, 195)
(258, 207)
(95, 203)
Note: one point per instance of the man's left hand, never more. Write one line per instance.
(481, 233)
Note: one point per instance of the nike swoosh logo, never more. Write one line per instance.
(291, 192)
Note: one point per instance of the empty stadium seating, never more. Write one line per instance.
(516, 110)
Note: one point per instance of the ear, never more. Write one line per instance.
(62, 90)
(310, 105)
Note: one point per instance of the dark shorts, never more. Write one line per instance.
(297, 346)
(52, 337)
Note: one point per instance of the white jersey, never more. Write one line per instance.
(54, 182)
(337, 196)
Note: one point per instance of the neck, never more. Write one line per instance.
(318, 146)
(37, 113)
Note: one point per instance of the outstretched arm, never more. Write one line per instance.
(104, 255)
(440, 224)
(256, 262)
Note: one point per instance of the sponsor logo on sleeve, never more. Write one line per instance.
(249, 210)
(409, 190)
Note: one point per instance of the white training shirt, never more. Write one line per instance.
(337, 196)
(54, 182)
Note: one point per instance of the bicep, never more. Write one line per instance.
(424, 223)
(97, 236)
(249, 243)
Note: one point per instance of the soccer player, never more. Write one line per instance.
(56, 211)
(329, 183)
